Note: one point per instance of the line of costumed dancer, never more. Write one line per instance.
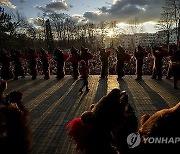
(14, 63)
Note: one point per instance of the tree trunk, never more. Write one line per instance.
(178, 36)
(168, 35)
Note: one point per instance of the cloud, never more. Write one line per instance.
(7, 3)
(124, 10)
(78, 19)
(54, 6)
(96, 16)
(36, 21)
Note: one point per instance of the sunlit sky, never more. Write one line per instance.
(147, 11)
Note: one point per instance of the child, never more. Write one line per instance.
(84, 71)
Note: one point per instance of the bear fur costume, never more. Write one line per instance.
(15, 133)
(163, 123)
(97, 130)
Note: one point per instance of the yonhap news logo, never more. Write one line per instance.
(134, 140)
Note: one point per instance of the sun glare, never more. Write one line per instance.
(110, 33)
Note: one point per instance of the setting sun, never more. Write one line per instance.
(110, 33)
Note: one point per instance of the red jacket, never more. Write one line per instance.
(84, 71)
(74, 59)
(66, 56)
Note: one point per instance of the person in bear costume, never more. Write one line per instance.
(74, 59)
(45, 59)
(18, 66)
(158, 63)
(162, 124)
(5, 60)
(104, 57)
(86, 55)
(32, 58)
(120, 62)
(96, 131)
(176, 67)
(139, 55)
(15, 132)
(60, 58)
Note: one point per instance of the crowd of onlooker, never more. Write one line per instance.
(129, 67)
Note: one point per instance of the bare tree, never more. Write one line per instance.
(103, 31)
(166, 23)
(135, 26)
(174, 7)
(18, 23)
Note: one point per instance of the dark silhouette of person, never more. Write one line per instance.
(74, 59)
(139, 54)
(5, 60)
(104, 57)
(15, 131)
(32, 57)
(176, 67)
(3, 87)
(86, 55)
(95, 131)
(16, 98)
(45, 57)
(84, 71)
(120, 134)
(120, 62)
(18, 68)
(60, 58)
(157, 67)
(172, 49)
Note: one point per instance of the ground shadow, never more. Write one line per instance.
(101, 90)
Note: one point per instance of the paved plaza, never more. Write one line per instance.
(53, 103)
